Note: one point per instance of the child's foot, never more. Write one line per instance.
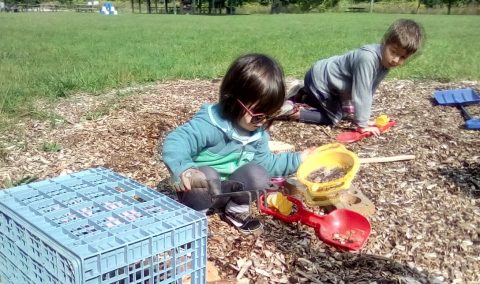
(289, 111)
(294, 89)
(244, 223)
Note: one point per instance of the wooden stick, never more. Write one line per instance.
(386, 159)
(244, 269)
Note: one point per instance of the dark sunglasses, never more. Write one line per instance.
(256, 117)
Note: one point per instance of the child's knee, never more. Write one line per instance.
(210, 173)
(252, 175)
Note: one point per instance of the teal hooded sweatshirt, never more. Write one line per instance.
(209, 140)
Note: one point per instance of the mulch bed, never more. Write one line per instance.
(427, 221)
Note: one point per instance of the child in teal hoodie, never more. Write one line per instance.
(228, 141)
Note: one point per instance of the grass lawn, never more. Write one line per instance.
(52, 55)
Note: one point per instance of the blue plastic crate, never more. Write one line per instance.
(97, 226)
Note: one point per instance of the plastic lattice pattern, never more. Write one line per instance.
(97, 226)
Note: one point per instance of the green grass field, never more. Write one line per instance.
(52, 55)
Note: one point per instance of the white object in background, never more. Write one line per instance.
(277, 147)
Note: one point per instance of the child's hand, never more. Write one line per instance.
(191, 178)
(304, 154)
(372, 129)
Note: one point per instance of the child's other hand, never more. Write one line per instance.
(304, 154)
(372, 129)
(191, 178)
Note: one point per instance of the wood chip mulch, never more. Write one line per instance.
(427, 221)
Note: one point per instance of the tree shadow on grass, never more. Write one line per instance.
(466, 177)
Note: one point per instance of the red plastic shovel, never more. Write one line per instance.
(342, 228)
(354, 136)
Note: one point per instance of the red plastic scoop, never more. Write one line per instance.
(342, 228)
(354, 136)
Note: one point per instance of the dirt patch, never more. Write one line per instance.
(427, 221)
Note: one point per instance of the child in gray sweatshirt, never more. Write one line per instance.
(342, 86)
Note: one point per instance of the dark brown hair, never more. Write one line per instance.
(252, 79)
(405, 33)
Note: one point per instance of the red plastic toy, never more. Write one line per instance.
(342, 228)
(354, 136)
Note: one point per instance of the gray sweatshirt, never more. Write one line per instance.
(354, 76)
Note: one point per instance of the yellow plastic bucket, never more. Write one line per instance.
(329, 157)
